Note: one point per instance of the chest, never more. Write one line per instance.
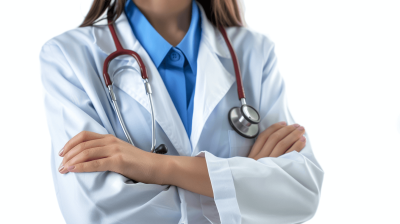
(211, 130)
(215, 93)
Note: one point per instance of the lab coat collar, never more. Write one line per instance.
(213, 36)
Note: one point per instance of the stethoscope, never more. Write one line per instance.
(244, 120)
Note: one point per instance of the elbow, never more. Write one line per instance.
(300, 207)
(311, 200)
(77, 205)
(310, 208)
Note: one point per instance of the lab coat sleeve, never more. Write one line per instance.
(96, 197)
(270, 190)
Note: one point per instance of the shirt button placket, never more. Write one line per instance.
(174, 56)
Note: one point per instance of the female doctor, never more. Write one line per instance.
(213, 172)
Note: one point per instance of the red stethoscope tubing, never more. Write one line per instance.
(235, 64)
(121, 51)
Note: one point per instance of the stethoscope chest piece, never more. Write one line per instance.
(244, 120)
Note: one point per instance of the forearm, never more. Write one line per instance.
(191, 173)
(186, 172)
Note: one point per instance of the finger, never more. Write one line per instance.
(283, 145)
(298, 145)
(88, 155)
(274, 139)
(263, 136)
(82, 147)
(91, 166)
(83, 136)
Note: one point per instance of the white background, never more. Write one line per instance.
(341, 63)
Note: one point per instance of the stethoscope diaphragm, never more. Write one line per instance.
(244, 120)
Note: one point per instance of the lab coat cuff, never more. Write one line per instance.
(223, 188)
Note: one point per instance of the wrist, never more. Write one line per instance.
(161, 168)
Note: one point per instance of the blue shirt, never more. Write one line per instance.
(176, 65)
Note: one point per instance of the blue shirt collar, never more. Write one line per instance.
(155, 45)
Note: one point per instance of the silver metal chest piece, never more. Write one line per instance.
(244, 120)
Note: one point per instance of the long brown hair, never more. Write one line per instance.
(220, 12)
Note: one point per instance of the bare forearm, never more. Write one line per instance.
(186, 172)
(191, 173)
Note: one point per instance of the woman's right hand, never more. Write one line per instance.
(277, 140)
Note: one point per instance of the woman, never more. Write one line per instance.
(211, 174)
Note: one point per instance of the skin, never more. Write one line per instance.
(92, 152)
(170, 18)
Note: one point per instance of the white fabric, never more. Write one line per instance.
(271, 190)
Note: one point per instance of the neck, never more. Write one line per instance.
(171, 18)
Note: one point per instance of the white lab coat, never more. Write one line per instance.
(270, 190)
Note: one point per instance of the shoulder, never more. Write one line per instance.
(70, 41)
(250, 42)
(65, 55)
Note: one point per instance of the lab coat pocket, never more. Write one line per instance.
(239, 145)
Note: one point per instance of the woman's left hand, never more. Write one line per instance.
(91, 152)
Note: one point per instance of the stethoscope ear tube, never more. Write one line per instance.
(121, 120)
(162, 149)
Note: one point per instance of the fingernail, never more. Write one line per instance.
(301, 128)
(296, 125)
(282, 122)
(303, 139)
(61, 151)
(60, 167)
(70, 168)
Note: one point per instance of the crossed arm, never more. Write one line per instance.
(91, 152)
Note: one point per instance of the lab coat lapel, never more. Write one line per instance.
(130, 82)
(213, 81)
